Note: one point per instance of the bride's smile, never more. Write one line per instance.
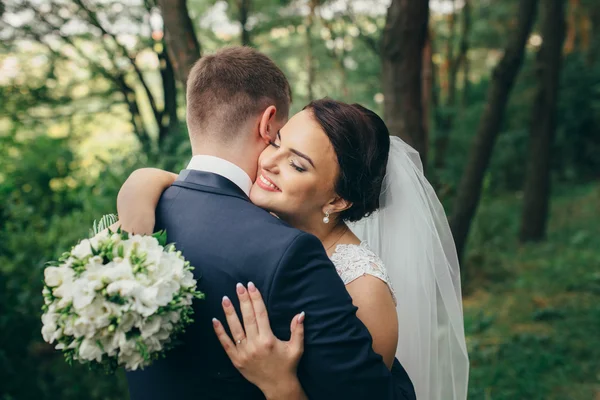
(267, 184)
(297, 173)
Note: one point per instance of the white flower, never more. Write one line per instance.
(98, 313)
(56, 276)
(62, 346)
(98, 238)
(68, 327)
(188, 281)
(144, 309)
(165, 291)
(125, 288)
(84, 292)
(116, 271)
(141, 244)
(50, 329)
(114, 342)
(83, 326)
(153, 344)
(96, 326)
(89, 350)
(132, 361)
(174, 317)
(128, 321)
(151, 327)
(170, 266)
(65, 292)
(53, 276)
(82, 250)
(164, 332)
(127, 347)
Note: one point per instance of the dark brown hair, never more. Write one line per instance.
(226, 88)
(361, 142)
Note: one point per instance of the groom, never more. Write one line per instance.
(237, 100)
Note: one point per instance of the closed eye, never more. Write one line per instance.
(272, 143)
(297, 167)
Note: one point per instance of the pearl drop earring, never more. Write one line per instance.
(326, 219)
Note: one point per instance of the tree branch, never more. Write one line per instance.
(93, 19)
(370, 41)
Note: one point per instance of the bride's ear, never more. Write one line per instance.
(265, 129)
(337, 205)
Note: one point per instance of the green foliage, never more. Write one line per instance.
(578, 136)
(67, 143)
(533, 310)
(43, 212)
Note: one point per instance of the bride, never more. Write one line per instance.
(335, 172)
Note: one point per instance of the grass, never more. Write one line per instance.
(532, 314)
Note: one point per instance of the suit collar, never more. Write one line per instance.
(209, 182)
(222, 167)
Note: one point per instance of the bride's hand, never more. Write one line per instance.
(261, 358)
(138, 197)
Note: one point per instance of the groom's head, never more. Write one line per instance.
(236, 98)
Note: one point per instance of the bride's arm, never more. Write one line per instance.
(139, 196)
(376, 309)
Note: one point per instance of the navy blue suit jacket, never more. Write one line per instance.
(229, 240)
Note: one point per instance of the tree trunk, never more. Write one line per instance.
(446, 120)
(402, 64)
(170, 120)
(182, 45)
(452, 62)
(543, 123)
(427, 85)
(571, 28)
(136, 120)
(244, 9)
(503, 78)
(594, 15)
(464, 50)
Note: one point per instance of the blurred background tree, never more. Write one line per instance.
(501, 102)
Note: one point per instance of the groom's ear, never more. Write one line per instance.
(265, 125)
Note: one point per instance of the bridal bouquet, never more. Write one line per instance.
(117, 299)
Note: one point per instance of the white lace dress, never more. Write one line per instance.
(353, 261)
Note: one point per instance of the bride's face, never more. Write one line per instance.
(297, 173)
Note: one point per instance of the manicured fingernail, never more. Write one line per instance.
(226, 301)
(251, 287)
(240, 288)
(301, 317)
(215, 322)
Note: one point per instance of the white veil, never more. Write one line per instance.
(411, 234)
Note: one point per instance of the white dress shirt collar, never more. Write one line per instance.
(224, 168)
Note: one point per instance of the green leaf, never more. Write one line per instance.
(105, 222)
(161, 236)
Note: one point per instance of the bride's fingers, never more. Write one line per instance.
(224, 339)
(297, 337)
(260, 310)
(237, 331)
(247, 311)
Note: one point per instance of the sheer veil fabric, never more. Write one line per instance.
(411, 234)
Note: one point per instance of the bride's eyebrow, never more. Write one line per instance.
(296, 152)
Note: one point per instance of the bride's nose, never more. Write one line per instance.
(269, 161)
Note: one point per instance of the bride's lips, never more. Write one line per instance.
(265, 183)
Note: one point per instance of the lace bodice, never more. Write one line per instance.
(353, 261)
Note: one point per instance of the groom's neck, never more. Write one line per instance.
(239, 154)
